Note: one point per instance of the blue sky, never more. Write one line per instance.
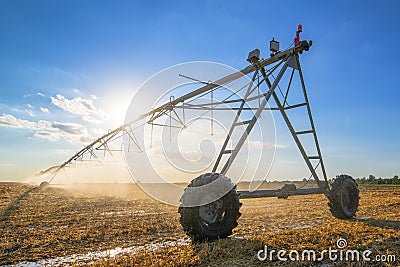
(69, 68)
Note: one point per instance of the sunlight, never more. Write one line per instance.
(115, 104)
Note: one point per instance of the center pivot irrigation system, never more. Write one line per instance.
(218, 217)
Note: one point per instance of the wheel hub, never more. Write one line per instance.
(212, 212)
(348, 196)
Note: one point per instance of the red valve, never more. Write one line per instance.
(297, 39)
(300, 28)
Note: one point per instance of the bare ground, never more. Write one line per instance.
(56, 222)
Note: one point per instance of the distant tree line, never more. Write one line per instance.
(373, 180)
(363, 180)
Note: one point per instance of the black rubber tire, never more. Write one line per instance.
(194, 225)
(343, 197)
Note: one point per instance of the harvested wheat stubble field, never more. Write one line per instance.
(118, 225)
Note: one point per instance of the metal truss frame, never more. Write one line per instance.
(281, 62)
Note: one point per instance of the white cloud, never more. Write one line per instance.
(280, 146)
(80, 106)
(70, 128)
(17, 110)
(45, 110)
(7, 120)
(94, 97)
(52, 131)
(29, 105)
(50, 136)
(30, 112)
(255, 144)
(40, 94)
(76, 91)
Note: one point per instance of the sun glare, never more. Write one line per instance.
(116, 105)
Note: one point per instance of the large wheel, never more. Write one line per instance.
(343, 197)
(213, 220)
(44, 185)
